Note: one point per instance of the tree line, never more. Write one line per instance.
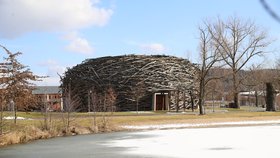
(230, 44)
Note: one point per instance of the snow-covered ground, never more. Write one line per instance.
(188, 125)
(12, 118)
(223, 142)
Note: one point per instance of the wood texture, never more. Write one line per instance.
(128, 74)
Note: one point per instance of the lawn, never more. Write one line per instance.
(55, 124)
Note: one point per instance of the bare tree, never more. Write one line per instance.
(214, 91)
(137, 92)
(103, 102)
(108, 103)
(45, 109)
(239, 41)
(209, 55)
(255, 80)
(110, 99)
(71, 103)
(93, 103)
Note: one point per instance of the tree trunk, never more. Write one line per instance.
(201, 106)
(69, 107)
(201, 98)
(45, 116)
(213, 102)
(257, 99)
(89, 94)
(68, 121)
(169, 100)
(184, 101)
(270, 106)
(192, 101)
(93, 95)
(235, 90)
(235, 100)
(14, 108)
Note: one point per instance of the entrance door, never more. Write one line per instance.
(160, 102)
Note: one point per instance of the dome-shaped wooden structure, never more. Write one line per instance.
(132, 82)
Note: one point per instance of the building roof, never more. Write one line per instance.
(46, 90)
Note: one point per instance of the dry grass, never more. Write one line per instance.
(28, 130)
(214, 117)
(24, 135)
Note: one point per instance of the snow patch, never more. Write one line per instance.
(18, 118)
(189, 125)
(224, 142)
(142, 112)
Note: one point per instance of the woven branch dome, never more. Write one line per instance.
(132, 77)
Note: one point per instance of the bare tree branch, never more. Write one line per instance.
(239, 42)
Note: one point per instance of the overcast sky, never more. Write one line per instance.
(55, 34)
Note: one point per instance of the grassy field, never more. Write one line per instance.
(36, 127)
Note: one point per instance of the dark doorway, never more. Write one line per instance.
(160, 102)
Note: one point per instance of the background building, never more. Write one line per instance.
(49, 96)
